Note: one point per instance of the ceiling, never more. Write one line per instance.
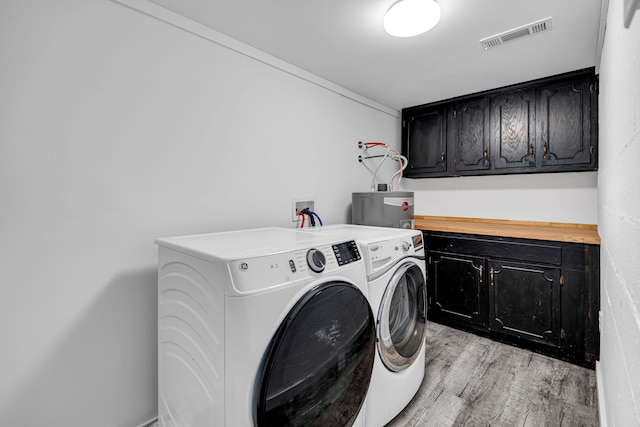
(343, 41)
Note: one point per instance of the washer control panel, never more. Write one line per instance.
(255, 274)
(346, 252)
(316, 260)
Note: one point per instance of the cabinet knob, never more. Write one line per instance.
(442, 157)
(485, 154)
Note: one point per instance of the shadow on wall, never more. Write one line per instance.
(107, 360)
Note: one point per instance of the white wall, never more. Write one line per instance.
(115, 129)
(619, 220)
(559, 197)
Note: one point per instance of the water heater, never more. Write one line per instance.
(383, 209)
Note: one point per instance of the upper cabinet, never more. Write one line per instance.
(567, 125)
(548, 125)
(470, 135)
(513, 132)
(428, 124)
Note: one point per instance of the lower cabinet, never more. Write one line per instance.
(543, 295)
(462, 299)
(524, 301)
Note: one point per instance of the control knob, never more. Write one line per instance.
(405, 246)
(316, 260)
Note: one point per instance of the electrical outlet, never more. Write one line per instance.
(300, 204)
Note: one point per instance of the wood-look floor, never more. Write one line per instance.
(474, 381)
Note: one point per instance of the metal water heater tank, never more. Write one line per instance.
(383, 209)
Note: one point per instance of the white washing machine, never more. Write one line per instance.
(396, 274)
(263, 327)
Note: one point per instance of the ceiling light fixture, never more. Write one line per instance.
(408, 18)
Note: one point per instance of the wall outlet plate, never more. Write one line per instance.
(299, 204)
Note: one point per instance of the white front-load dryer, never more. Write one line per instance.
(396, 275)
(263, 327)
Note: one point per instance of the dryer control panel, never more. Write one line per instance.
(380, 256)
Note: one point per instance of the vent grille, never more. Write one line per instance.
(516, 33)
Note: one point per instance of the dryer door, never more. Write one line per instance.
(318, 366)
(402, 317)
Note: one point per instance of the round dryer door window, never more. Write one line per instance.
(318, 366)
(402, 317)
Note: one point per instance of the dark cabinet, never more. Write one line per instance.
(567, 125)
(513, 134)
(461, 298)
(548, 125)
(538, 294)
(470, 135)
(426, 142)
(524, 301)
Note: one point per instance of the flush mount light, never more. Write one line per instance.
(408, 18)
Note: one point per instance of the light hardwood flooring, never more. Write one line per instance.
(474, 381)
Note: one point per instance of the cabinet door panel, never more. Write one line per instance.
(425, 142)
(457, 287)
(524, 301)
(471, 135)
(565, 124)
(513, 135)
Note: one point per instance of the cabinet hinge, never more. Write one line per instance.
(563, 335)
(455, 114)
(561, 280)
(404, 124)
(429, 300)
(591, 88)
(429, 259)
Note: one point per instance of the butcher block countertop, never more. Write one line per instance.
(555, 231)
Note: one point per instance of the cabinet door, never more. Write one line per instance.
(470, 135)
(524, 301)
(424, 142)
(566, 133)
(513, 132)
(456, 288)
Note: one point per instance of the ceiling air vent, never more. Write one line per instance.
(516, 33)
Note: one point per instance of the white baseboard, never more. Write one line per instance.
(602, 411)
